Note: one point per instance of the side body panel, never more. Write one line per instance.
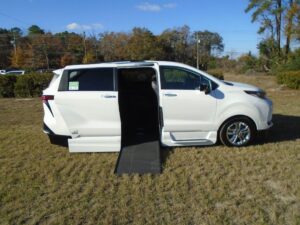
(188, 117)
(91, 118)
(236, 102)
(90, 114)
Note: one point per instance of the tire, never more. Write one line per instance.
(237, 132)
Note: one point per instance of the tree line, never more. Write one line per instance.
(279, 29)
(280, 26)
(38, 49)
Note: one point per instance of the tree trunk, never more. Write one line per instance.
(47, 60)
(290, 15)
(278, 26)
(287, 45)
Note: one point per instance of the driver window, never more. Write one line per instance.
(178, 79)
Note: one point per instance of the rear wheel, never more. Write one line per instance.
(238, 132)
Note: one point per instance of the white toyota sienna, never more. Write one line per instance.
(98, 107)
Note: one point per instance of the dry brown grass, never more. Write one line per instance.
(44, 184)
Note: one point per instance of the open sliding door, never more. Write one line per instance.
(88, 103)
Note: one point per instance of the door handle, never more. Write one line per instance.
(109, 96)
(170, 95)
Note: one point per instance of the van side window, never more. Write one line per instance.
(178, 79)
(205, 80)
(98, 79)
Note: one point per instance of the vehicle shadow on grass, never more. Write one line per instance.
(285, 128)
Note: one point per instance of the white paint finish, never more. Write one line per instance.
(58, 72)
(168, 139)
(187, 136)
(236, 102)
(95, 144)
(188, 110)
(56, 123)
(90, 113)
(190, 116)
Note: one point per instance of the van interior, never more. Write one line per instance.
(138, 103)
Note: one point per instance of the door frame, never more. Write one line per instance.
(155, 66)
(167, 138)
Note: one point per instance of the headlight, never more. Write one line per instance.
(260, 93)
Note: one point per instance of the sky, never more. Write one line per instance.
(227, 17)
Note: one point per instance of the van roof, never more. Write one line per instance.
(122, 63)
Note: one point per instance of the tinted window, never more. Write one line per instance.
(205, 80)
(180, 79)
(14, 73)
(100, 79)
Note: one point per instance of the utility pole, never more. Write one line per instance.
(13, 42)
(198, 42)
(84, 45)
(96, 49)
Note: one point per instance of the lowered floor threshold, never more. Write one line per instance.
(140, 151)
(140, 156)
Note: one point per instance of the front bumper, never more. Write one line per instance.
(266, 112)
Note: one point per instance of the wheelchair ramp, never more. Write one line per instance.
(139, 158)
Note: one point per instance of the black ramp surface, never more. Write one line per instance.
(141, 158)
(138, 105)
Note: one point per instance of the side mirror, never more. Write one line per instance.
(205, 88)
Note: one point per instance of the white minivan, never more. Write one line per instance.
(99, 107)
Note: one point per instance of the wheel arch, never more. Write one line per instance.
(235, 117)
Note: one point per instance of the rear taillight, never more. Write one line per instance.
(46, 98)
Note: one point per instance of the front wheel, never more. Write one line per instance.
(237, 132)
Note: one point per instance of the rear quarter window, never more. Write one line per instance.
(98, 79)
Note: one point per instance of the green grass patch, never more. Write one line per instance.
(45, 184)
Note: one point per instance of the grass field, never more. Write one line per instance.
(44, 184)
